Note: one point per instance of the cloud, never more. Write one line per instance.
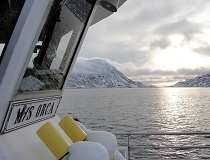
(161, 43)
(145, 75)
(205, 51)
(182, 27)
(165, 78)
(134, 36)
(155, 76)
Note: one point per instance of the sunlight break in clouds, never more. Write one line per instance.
(155, 42)
(177, 58)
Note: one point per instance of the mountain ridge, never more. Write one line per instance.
(99, 73)
(199, 81)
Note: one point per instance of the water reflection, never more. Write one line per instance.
(180, 112)
(176, 111)
(171, 109)
(146, 110)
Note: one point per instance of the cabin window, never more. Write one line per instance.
(56, 45)
(9, 12)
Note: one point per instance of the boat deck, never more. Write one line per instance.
(24, 144)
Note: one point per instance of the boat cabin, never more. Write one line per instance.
(39, 43)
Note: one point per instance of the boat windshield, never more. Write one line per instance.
(9, 12)
(56, 45)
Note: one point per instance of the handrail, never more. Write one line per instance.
(128, 134)
(125, 149)
(162, 133)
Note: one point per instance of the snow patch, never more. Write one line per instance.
(199, 81)
(98, 73)
(88, 151)
(108, 140)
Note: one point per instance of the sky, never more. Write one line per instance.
(156, 42)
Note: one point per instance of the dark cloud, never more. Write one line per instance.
(160, 43)
(188, 72)
(148, 76)
(182, 27)
(114, 48)
(197, 71)
(205, 51)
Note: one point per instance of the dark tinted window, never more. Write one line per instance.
(9, 11)
(49, 63)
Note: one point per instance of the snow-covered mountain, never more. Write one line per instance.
(199, 81)
(98, 73)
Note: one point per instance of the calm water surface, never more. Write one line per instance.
(145, 110)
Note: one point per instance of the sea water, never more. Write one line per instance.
(146, 110)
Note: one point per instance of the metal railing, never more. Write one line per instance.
(127, 148)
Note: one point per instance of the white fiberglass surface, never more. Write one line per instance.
(24, 144)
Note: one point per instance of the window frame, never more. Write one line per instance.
(47, 93)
